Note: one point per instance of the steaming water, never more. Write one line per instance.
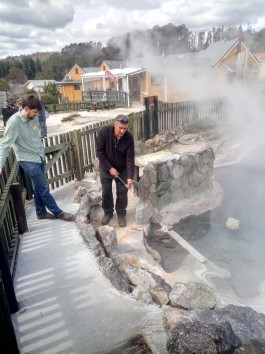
(242, 251)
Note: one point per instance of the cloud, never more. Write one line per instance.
(40, 14)
(134, 5)
(31, 25)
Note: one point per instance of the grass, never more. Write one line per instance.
(70, 117)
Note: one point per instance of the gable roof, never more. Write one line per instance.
(114, 64)
(115, 72)
(260, 56)
(217, 50)
(84, 69)
(65, 78)
(38, 83)
(91, 69)
(171, 62)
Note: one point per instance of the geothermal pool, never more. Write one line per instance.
(242, 251)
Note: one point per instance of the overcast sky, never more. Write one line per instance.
(29, 26)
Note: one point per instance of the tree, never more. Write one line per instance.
(29, 68)
(4, 86)
(16, 76)
(51, 89)
(38, 65)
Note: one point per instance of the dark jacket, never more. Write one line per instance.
(42, 114)
(7, 112)
(112, 152)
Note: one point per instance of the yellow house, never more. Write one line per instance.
(177, 77)
(127, 81)
(96, 83)
(71, 86)
(232, 59)
(169, 77)
(261, 59)
(188, 76)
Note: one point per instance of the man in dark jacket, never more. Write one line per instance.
(7, 111)
(42, 121)
(115, 151)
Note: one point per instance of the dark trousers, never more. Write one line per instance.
(121, 192)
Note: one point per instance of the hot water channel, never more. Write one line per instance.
(240, 252)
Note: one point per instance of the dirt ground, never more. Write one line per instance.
(84, 118)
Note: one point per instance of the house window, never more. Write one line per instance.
(77, 87)
(76, 70)
(156, 81)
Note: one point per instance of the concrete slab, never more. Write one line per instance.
(66, 304)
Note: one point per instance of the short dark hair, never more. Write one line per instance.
(121, 118)
(32, 102)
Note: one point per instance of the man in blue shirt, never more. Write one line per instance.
(22, 132)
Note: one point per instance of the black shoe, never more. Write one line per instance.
(121, 220)
(66, 216)
(46, 216)
(106, 218)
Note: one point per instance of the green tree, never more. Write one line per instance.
(38, 65)
(51, 89)
(4, 86)
(28, 66)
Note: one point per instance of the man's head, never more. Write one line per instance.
(30, 107)
(120, 125)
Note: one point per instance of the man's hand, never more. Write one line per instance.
(113, 172)
(129, 183)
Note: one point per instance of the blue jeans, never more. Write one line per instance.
(43, 129)
(42, 197)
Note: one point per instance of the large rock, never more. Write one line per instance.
(252, 347)
(107, 237)
(94, 197)
(79, 193)
(117, 279)
(85, 206)
(202, 338)
(246, 322)
(192, 296)
(143, 212)
(142, 295)
(149, 281)
(88, 233)
(96, 212)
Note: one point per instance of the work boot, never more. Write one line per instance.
(121, 220)
(66, 216)
(106, 218)
(47, 215)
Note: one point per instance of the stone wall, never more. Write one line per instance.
(168, 181)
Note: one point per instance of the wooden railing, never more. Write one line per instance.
(120, 98)
(8, 219)
(116, 98)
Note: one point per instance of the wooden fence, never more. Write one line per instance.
(118, 97)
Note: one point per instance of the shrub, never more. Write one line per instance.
(70, 117)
